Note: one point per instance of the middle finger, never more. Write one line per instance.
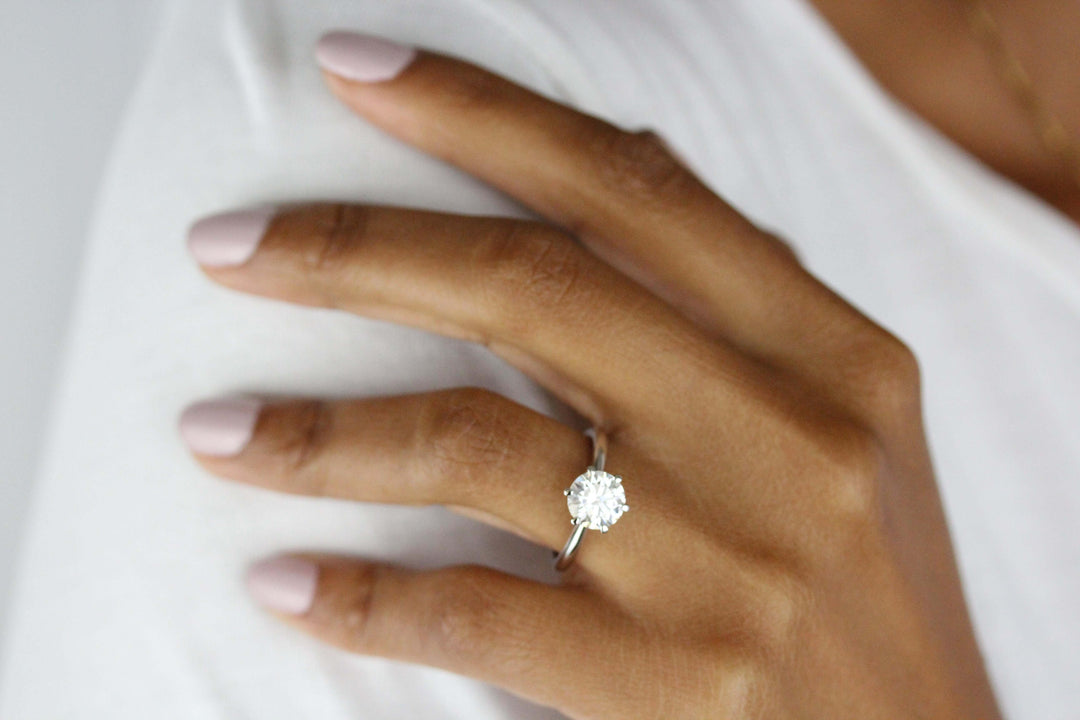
(528, 291)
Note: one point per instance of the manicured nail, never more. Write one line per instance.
(229, 238)
(363, 58)
(283, 584)
(221, 428)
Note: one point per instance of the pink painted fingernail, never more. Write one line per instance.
(221, 428)
(283, 584)
(229, 238)
(362, 58)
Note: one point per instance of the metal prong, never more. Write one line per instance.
(604, 529)
(625, 508)
(566, 492)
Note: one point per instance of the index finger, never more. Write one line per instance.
(621, 193)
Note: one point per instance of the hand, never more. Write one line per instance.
(786, 554)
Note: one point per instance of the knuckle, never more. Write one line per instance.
(466, 430)
(735, 679)
(898, 371)
(852, 487)
(474, 91)
(640, 164)
(784, 249)
(358, 607)
(340, 230)
(888, 378)
(686, 673)
(304, 444)
(743, 689)
(464, 617)
(537, 266)
(781, 604)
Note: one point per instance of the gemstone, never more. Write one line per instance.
(596, 499)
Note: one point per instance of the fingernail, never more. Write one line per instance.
(229, 238)
(221, 428)
(363, 58)
(283, 584)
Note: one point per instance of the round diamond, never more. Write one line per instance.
(596, 499)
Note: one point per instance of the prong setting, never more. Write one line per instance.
(596, 499)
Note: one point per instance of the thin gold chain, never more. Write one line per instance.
(1054, 136)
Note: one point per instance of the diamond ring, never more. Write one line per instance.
(596, 500)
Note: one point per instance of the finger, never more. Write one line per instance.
(473, 621)
(622, 193)
(526, 290)
(465, 447)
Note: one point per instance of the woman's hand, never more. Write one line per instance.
(786, 555)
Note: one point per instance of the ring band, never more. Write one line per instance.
(596, 500)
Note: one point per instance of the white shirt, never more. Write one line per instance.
(128, 601)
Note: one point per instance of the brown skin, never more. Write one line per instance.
(786, 554)
(924, 53)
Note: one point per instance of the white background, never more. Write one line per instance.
(66, 69)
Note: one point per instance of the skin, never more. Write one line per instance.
(924, 53)
(786, 555)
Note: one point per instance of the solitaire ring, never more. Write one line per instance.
(596, 500)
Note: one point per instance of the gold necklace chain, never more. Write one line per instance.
(1053, 135)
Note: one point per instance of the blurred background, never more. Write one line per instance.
(66, 70)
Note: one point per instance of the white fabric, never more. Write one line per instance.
(128, 603)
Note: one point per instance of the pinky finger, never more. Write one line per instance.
(524, 636)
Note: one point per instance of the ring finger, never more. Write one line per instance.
(468, 448)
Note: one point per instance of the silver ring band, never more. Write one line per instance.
(565, 558)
